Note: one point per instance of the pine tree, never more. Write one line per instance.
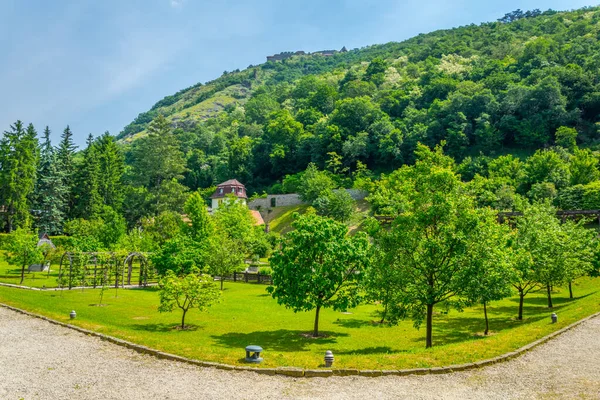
(18, 162)
(66, 164)
(157, 158)
(87, 199)
(50, 193)
(111, 166)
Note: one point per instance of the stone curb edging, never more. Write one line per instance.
(48, 289)
(310, 373)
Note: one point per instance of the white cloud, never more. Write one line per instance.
(177, 3)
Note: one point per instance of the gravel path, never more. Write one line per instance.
(39, 360)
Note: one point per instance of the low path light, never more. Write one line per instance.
(328, 358)
(253, 354)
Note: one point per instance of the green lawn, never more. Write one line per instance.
(247, 315)
(12, 274)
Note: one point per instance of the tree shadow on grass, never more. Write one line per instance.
(166, 327)
(372, 350)
(461, 329)
(352, 323)
(279, 340)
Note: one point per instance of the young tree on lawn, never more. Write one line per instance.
(23, 250)
(202, 226)
(378, 283)
(194, 290)
(430, 246)
(224, 257)
(490, 274)
(539, 234)
(318, 266)
(234, 219)
(579, 251)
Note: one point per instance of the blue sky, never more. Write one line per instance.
(95, 65)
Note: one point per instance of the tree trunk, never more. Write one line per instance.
(521, 298)
(487, 325)
(570, 290)
(384, 313)
(549, 290)
(221, 282)
(429, 327)
(183, 319)
(22, 274)
(316, 327)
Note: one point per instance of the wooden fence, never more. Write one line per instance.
(247, 277)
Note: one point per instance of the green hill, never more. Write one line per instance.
(495, 88)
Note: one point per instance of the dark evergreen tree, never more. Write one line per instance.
(111, 165)
(66, 163)
(87, 199)
(18, 163)
(50, 194)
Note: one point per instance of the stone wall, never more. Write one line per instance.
(293, 199)
(276, 200)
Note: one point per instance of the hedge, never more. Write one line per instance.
(59, 241)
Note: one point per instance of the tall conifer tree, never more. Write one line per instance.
(50, 190)
(65, 154)
(88, 202)
(18, 162)
(111, 165)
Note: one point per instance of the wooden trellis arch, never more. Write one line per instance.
(98, 266)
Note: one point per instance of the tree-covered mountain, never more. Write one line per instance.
(516, 104)
(481, 88)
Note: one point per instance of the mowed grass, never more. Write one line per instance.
(248, 315)
(12, 274)
(49, 279)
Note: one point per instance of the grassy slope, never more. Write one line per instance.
(247, 315)
(282, 217)
(211, 107)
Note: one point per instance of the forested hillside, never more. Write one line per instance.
(515, 105)
(496, 88)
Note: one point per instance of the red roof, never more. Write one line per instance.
(258, 219)
(231, 182)
(232, 186)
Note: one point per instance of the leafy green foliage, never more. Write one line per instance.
(526, 82)
(23, 250)
(18, 164)
(432, 246)
(194, 290)
(179, 255)
(225, 256)
(318, 266)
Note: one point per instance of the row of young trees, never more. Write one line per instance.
(440, 249)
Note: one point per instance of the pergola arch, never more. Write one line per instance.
(144, 270)
(103, 264)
